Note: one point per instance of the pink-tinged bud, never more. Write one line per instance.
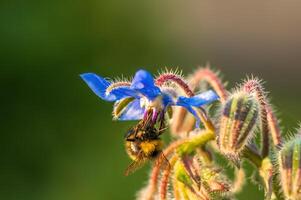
(290, 168)
(238, 121)
(215, 182)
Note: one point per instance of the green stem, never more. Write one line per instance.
(197, 141)
(253, 156)
(277, 188)
(265, 167)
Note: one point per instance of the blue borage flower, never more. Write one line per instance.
(143, 98)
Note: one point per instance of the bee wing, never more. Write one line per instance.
(161, 160)
(134, 166)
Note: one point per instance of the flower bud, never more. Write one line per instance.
(289, 158)
(238, 120)
(214, 181)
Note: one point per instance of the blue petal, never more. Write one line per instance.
(167, 100)
(200, 99)
(99, 85)
(197, 101)
(192, 111)
(143, 82)
(124, 91)
(132, 112)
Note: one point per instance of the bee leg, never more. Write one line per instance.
(163, 160)
(140, 126)
(130, 140)
(162, 120)
(166, 160)
(162, 126)
(130, 137)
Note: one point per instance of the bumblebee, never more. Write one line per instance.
(142, 143)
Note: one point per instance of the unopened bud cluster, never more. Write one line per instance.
(289, 159)
(241, 126)
(238, 120)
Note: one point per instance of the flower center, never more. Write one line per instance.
(152, 104)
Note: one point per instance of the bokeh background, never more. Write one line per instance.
(58, 141)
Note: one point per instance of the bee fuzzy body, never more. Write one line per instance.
(145, 149)
(143, 143)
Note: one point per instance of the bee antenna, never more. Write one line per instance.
(162, 130)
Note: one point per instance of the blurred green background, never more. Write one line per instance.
(58, 141)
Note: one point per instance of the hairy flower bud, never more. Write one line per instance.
(201, 182)
(214, 181)
(238, 120)
(290, 168)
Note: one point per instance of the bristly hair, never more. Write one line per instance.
(115, 85)
(171, 73)
(122, 78)
(252, 78)
(175, 71)
(174, 79)
(215, 71)
(289, 137)
(212, 78)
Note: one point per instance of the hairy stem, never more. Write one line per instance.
(274, 127)
(253, 156)
(239, 181)
(165, 177)
(206, 74)
(265, 167)
(152, 189)
(175, 187)
(170, 77)
(205, 119)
